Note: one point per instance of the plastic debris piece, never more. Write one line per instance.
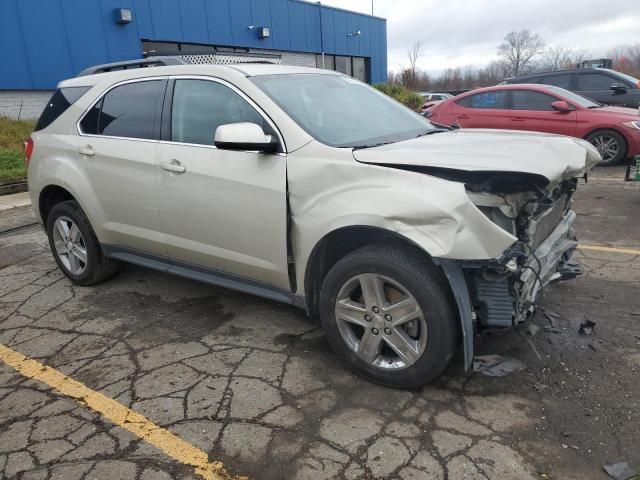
(586, 327)
(619, 471)
(496, 365)
(532, 329)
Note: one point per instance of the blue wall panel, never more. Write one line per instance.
(142, 16)
(280, 24)
(14, 68)
(81, 18)
(218, 15)
(165, 16)
(261, 17)
(45, 41)
(297, 26)
(240, 21)
(193, 18)
(123, 41)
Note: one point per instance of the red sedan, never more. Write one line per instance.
(614, 131)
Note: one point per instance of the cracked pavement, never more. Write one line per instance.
(254, 383)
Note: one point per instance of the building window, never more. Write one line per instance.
(354, 66)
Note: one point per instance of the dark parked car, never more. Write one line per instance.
(600, 84)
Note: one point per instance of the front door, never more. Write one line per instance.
(220, 209)
(483, 110)
(531, 110)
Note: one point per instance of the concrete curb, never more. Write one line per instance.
(13, 187)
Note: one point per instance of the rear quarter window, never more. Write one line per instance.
(60, 101)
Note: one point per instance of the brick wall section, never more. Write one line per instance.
(23, 104)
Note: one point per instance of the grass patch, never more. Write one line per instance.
(13, 133)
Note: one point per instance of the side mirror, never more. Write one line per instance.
(562, 106)
(617, 88)
(244, 136)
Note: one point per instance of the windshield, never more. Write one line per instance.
(632, 80)
(573, 97)
(342, 112)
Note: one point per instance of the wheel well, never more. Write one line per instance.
(49, 197)
(337, 245)
(624, 139)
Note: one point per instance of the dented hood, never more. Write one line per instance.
(541, 158)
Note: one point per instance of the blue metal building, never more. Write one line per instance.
(45, 41)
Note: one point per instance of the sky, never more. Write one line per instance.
(457, 33)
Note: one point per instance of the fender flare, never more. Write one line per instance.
(455, 275)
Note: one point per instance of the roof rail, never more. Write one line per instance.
(142, 63)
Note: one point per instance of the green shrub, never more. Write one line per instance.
(405, 96)
(12, 165)
(13, 133)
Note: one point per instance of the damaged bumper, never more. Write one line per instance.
(503, 292)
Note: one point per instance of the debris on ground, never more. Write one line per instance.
(619, 471)
(532, 329)
(586, 327)
(496, 365)
(551, 316)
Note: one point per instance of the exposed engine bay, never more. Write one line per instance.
(504, 291)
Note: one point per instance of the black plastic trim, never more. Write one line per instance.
(203, 274)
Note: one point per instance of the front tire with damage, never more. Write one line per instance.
(388, 313)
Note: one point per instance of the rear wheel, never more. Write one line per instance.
(75, 247)
(611, 146)
(388, 314)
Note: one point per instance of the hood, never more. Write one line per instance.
(623, 112)
(482, 155)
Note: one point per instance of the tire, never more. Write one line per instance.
(403, 273)
(601, 139)
(70, 234)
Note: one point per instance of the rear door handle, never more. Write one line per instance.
(173, 166)
(518, 119)
(88, 151)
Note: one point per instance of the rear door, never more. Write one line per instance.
(532, 110)
(482, 110)
(116, 151)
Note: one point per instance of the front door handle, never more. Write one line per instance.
(518, 119)
(173, 166)
(464, 117)
(88, 151)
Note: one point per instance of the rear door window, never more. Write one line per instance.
(562, 81)
(530, 100)
(61, 100)
(495, 100)
(128, 111)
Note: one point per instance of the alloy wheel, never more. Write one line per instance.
(69, 245)
(607, 146)
(381, 321)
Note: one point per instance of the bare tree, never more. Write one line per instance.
(411, 74)
(557, 57)
(518, 48)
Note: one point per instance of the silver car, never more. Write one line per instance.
(310, 188)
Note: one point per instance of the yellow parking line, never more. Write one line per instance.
(117, 413)
(602, 248)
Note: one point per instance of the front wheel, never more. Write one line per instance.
(388, 313)
(611, 146)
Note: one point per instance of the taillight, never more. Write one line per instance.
(28, 150)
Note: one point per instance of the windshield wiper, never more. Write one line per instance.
(360, 147)
(433, 130)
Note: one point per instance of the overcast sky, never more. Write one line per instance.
(467, 32)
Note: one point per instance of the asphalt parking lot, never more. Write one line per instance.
(254, 385)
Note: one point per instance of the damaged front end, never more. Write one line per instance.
(503, 292)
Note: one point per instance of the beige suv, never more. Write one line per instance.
(311, 188)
